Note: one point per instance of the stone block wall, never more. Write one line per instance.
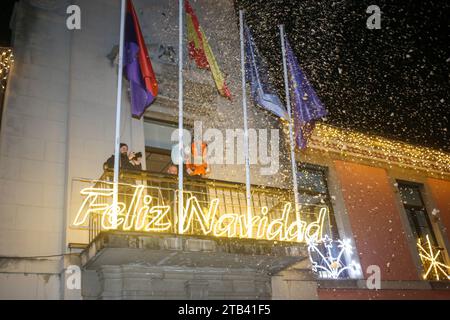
(154, 282)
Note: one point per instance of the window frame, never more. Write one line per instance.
(335, 234)
(161, 151)
(436, 234)
(407, 207)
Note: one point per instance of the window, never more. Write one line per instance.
(158, 145)
(416, 213)
(430, 254)
(313, 191)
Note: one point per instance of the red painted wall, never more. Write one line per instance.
(355, 294)
(440, 191)
(378, 231)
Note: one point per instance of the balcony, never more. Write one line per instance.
(160, 190)
(214, 234)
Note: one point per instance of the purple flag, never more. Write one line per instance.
(307, 108)
(137, 66)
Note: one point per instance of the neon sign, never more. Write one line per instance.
(146, 213)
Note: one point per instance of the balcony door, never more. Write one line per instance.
(158, 144)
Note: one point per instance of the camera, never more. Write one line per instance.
(137, 155)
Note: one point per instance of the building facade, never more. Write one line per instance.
(387, 200)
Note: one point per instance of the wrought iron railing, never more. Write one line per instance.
(142, 189)
(162, 188)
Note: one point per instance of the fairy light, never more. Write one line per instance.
(6, 61)
(350, 143)
(144, 213)
(430, 257)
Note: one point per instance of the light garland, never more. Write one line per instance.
(434, 269)
(6, 60)
(327, 264)
(352, 143)
(146, 213)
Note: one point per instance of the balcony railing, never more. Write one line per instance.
(141, 188)
(155, 193)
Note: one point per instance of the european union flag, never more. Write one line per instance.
(307, 108)
(256, 73)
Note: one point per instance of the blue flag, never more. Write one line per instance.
(306, 105)
(256, 73)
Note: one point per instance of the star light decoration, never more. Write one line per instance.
(6, 60)
(431, 260)
(326, 262)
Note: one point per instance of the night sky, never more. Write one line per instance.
(392, 82)
(6, 8)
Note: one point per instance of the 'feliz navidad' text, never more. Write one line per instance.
(143, 213)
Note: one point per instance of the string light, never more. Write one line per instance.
(6, 61)
(431, 261)
(350, 143)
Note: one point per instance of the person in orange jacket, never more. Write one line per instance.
(196, 165)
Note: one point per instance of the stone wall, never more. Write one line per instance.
(33, 150)
(153, 282)
(58, 120)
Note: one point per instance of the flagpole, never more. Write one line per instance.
(246, 139)
(180, 120)
(291, 134)
(118, 114)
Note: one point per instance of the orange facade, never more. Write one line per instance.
(375, 220)
(440, 192)
(373, 210)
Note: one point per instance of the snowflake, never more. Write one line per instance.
(432, 261)
(324, 260)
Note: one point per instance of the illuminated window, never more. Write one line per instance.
(313, 191)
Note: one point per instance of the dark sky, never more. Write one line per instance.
(6, 7)
(392, 82)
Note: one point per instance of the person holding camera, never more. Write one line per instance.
(128, 161)
(124, 161)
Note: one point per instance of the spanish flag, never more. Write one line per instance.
(200, 51)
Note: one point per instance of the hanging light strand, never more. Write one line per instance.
(6, 61)
(351, 143)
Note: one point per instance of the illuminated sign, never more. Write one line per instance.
(141, 210)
